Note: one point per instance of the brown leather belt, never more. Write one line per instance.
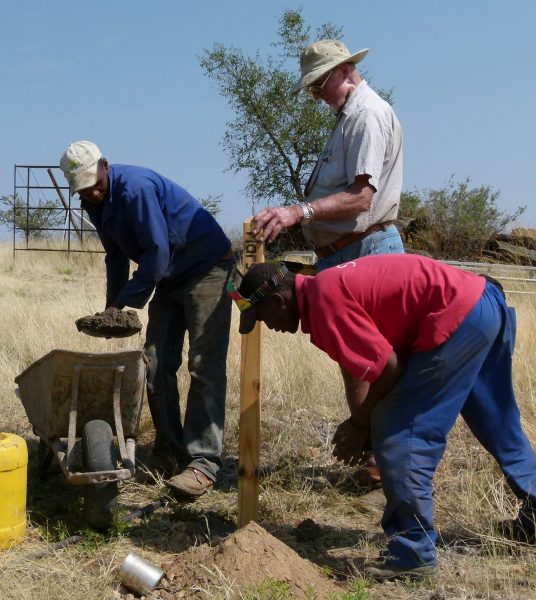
(346, 240)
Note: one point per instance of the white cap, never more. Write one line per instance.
(79, 164)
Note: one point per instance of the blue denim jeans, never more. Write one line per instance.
(387, 241)
(470, 374)
(201, 307)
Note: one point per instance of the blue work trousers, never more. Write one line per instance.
(201, 307)
(470, 374)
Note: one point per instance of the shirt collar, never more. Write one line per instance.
(110, 184)
(354, 98)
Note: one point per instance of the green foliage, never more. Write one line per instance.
(21, 292)
(409, 205)
(294, 35)
(118, 526)
(212, 204)
(457, 221)
(359, 590)
(51, 532)
(269, 589)
(327, 571)
(33, 221)
(275, 137)
(65, 270)
(92, 541)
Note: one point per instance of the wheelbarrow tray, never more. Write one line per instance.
(64, 390)
(46, 388)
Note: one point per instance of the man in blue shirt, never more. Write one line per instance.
(184, 257)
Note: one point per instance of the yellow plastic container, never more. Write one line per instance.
(13, 475)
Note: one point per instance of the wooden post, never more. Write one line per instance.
(250, 393)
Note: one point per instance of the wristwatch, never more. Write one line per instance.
(308, 212)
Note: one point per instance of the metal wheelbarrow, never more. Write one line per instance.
(92, 397)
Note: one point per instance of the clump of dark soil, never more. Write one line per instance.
(111, 323)
(244, 560)
(307, 531)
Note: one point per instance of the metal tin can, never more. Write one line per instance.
(139, 575)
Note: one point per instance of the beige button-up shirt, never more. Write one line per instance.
(366, 140)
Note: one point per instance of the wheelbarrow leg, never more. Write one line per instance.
(44, 458)
(126, 447)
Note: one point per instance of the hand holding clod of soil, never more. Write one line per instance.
(111, 323)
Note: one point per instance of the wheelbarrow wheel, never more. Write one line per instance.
(99, 453)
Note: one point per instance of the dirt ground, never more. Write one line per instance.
(243, 560)
(287, 555)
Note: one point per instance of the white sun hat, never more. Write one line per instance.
(321, 57)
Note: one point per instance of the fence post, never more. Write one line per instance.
(250, 395)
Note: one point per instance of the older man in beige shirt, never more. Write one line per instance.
(353, 194)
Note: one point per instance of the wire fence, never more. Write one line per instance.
(515, 279)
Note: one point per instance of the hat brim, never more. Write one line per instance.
(85, 179)
(248, 319)
(312, 76)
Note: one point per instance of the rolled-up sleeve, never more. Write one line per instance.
(365, 146)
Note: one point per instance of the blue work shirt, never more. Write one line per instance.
(157, 224)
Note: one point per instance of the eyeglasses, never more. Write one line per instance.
(318, 89)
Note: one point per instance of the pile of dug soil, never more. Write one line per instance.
(111, 323)
(243, 560)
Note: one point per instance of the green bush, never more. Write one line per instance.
(457, 221)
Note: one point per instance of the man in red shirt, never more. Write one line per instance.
(426, 342)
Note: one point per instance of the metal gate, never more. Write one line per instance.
(45, 215)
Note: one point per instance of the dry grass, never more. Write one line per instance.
(41, 296)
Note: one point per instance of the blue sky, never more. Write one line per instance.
(125, 74)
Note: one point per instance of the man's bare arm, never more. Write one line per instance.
(342, 205)
(351, 435)
(363, 396)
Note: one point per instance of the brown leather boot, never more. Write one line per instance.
(191, 483)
